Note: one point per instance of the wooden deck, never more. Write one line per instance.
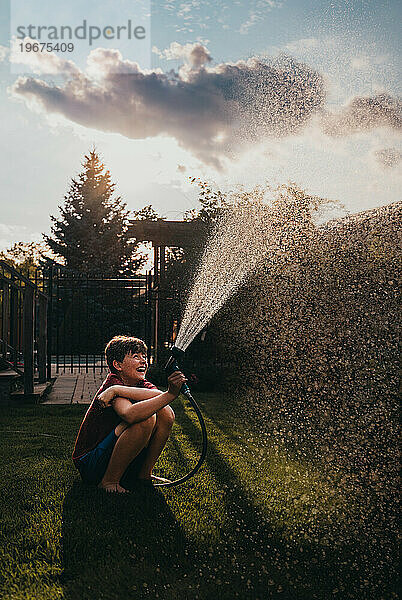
(75, 388)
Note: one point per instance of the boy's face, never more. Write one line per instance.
(133, 368)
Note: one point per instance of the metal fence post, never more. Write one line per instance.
(6, 319)
(49, 325)
(28, 339)
(42, 336)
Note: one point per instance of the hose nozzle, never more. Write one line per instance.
(173, 364)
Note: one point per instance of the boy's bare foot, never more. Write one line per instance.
(112, 488)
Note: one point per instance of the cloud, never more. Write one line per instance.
(363, 114)
(195, 54)
(304, 44)
(258, 11)
(365, 62)
(41, 62)
(388, 157)
(209, 110)
(4, 53)
(251, 21)
(194, 16)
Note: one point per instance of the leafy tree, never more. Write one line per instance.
(26, 257)
(147, 213)
(212, 203)
(91, 235)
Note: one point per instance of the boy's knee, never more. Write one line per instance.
(166, 416)
(147, 425)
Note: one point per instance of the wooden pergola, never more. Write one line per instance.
(165, 234)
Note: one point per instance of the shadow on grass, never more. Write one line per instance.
(135, 547)
(119, 546)
(277, 567)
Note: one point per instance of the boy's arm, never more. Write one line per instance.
(124, 391)
(134, 413)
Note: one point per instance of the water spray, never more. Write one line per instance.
(240, 240)
(172, 365)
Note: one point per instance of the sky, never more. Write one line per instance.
(236, 93)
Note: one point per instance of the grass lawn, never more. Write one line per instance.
(254, 523)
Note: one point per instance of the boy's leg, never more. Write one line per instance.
(128, 445)
(164, 423)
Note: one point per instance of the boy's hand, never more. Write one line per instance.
(106, 397)
(175, 381)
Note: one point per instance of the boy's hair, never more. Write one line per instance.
(120, 346)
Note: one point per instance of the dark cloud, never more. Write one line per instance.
(363, 114)
(199, 55)
(209, 110)
(388, 157)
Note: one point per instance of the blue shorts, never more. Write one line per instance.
(93, 464)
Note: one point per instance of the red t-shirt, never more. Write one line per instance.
(99, 422)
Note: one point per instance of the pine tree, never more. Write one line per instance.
(91, 233)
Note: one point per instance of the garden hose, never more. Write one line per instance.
(171, 366)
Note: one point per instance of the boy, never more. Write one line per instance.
(128, 423)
